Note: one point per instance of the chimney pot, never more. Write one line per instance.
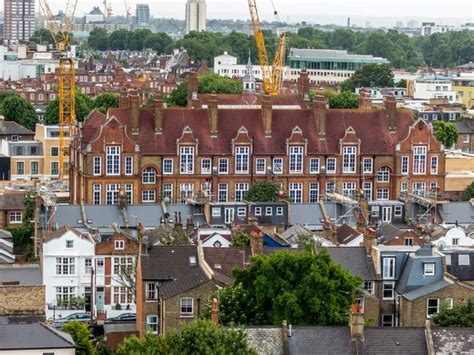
(356, 324)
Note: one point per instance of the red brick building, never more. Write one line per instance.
(225, 144)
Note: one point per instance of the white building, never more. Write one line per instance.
(195, 15)
(429, 28)
(68, 257)
(95, 16)
(226, 65)
(433, 88)
(455, 237)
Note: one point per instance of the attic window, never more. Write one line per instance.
(217, 266)
(464, 260)
(192, 260)
(14, 137)
(429, 269)
(119, 245)
(69, 244)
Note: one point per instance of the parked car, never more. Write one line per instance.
(80, 317)
(124, 317)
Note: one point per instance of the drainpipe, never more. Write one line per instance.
(84, 217)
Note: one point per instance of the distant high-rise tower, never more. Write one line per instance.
(348, 22)
(142, 15)
(195, 15)
(19, 22)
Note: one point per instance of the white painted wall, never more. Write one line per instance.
(455, 233)
(216, 238)
(432, 89)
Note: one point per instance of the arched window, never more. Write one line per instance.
(383, 174)
(149, 176)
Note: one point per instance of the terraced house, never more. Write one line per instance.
(222, 144)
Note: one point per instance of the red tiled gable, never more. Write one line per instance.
(224, 260)
(370, 127)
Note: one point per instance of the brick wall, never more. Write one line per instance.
(22, 300)
(413, 313)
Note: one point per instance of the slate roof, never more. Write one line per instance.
(168, 262)
(231, 120)
(307, 215)
(223, 260)
(292, 233)
(8, 128)
(27, 275)
(184, 283)
(465, 126)
(33, 336)
(426, 290)
(457, 212)
(355, 260)
(390, 232)
(462, 272)
(377, 341)
(346, 234)
(453, 340)
(11, 201)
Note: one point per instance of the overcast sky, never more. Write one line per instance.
(323, 11)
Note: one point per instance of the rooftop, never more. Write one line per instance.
(333, 54)
(33, 336)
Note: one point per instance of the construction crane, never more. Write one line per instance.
(61, 33)
(108, 10)
(272, 76)
(128, 12)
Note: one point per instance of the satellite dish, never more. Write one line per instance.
(441, 245)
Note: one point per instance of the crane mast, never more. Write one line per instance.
(61, 33)
(272, 76)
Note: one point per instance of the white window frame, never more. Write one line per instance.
(54, 165)
(314, 166)
(333, 164)
(367, 188)
(313, 192)
(369, 287)
(204, 170)
(65, 266)
(128, 165)
(277, 166)
(349, 157)
(15, 217)
(186, 160)
(223, 166)
(151, 291)
(349, 188)
(241, 158)
(419, 159)
(391, 320)
(428, 307)
(187, 314)
(149, 175)
(241, 211)
(222, 192)
(392, 297)
(186, 190)
(367, 165)
(295, 191)
(119, 245)
(405, 163)
(260, 166)
(398, 211)
(112, 154)
(383, 194)
(383, 174)
(258, 211)
(279, 211)
(296, 159)
(239, 191)
(97, 194)
(216, 211)
(434, 165)
(167, 166)
(388, 268)
(167, 191)
(111, 194)
(152, 325)
(429, 269)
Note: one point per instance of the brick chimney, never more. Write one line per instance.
(390, 108)
(193, 85)
(267, 115)
(319, 114)
(213, 113)
(303, 85)
(134, 112)
(365, 100)
(356, 322)
(370, 239)
(215, 311)
(124, 101)
(158, 115)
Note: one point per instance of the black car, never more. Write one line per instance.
(124, 317)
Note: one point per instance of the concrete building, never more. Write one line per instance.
(195, 15)
(429, 28)
(434, 87)
(19, 20)
(95, 16)
(463, 85)
(142, 15)
(327, 65)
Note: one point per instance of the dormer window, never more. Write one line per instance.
(119, 245)
(69, 244)
(428, 269)
(192, 260)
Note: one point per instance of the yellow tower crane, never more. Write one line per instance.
(272, 76)
(60, 29)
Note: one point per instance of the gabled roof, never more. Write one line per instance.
(390, 232)
(184, 283)
(457, 212)
(13, 128)
(169, 262)
(453, 340)
(60, 232)
(33, 336)
(11, 201)
(346, 234)
(224, 260)
(355, 260)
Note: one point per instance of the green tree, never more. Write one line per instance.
(105, 101)
(30, 208)
(161, 236)
(98, 39)
(198, 337)
(468, 192)
(209, 83)
(119, 40)
(262, 191)
(16, 108)
(6, 94)
(42, 36)
(302, 288)
(344, 100)
(370, 75)
(446, 133)
(159, 42)
(84, 106)
(179, 96)
(80, 333)
(240, 239)
(459, 316)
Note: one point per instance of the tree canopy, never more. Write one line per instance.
(343, 100)
(446, 133)
(459, 316)
(370, 75)
(240, 239)
(105, 101)
(84, 106)
(262, 191)
(198, 337)
(468, 192)
(302, 288)
(15, 108)
(80, 333)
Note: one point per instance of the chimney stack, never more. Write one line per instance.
(356, 324)
(303, 85)
(390, 108)
(193, 86)
(365, 100)
(124, 101)
(158, 115)
(134, 112)
(215, 311)
(267, 115)
(320, 114)
(213, 113)
(370, 239)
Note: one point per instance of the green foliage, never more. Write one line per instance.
(262, 191)
(5, 94)
(42, 36)
(105, 101)
(84, 106)
(344, 100)
(21, 236)
(98, 39)
(179, 96)
(370, 75)
(80, 333)
(213, 83)
(30, 207)
(198, 337)
(302, 288)
(240, 239)
(468, 192)
(168, 237)
(15, 108)
(459, 316)
(446, 133)
(402, 83)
